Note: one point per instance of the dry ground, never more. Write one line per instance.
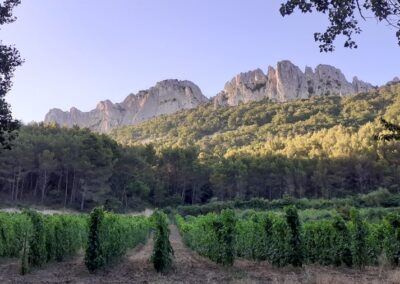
(189, 268)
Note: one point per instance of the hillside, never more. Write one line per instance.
(322, 147)
(225, 128)
(285, 82)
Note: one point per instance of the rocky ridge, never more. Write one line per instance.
(283, 83)
(165, 97)
(287, 82)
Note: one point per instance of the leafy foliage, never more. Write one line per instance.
(94, 258)
(282, 239)
(35, 238)
(110, 236)
(359, 232)
(211, 235)
(162, 250)
(342, 16)
(295, 249)
(324, 147)
(10, 59)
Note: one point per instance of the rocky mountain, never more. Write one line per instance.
(165, 97)
(284, 83)
(287, 82)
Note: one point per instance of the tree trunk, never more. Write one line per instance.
(44, 185)
(59, 182)
(13, 187)
(83, 197)
(193, 193)
(17, 183)
(36, 186)
(126, 198)
(22, 186)
(66, 189)
(31, 182)
(73, 188)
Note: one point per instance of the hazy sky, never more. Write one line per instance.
(79, 52)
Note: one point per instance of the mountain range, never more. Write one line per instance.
(283, 83)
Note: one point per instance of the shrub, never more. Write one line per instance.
(341, 243)
(359, 233)
(162, 250)
(94, 258)
(37, 254)
(110, 236)
(392, 238)
(295, 249)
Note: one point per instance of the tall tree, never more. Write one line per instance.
(9, 60)
(343, 17)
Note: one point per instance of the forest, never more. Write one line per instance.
(322, 147)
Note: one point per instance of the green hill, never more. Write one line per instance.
(323, 147)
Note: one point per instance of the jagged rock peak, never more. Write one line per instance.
(287, 82)
(395, 80)
(165, 97)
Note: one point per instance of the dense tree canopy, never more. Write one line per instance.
(321, 147)
(343, 16)
(9, 60)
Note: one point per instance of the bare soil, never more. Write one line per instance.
(190, 268)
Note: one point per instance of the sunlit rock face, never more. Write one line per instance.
(282, 83)
(287, 82)
(165, 97)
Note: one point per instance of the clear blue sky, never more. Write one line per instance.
(79, 52)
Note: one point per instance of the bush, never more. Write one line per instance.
(211, 235)
(341, 243)
(295, 249)
(359, 234)
(110, 236)
(94, 258)
(392, 238)
(162, 250)
(37, 254)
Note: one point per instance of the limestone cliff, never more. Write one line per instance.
(165, 97)
(287, 82)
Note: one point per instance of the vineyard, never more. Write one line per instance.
(281, 239)
(37, 239)
(261, 245)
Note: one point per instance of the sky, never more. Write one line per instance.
(78, 53)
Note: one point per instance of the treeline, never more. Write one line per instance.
(76, 168)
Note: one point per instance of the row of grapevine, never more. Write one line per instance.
(282, 240)
(111, 235)
(211, 235)
(38, 239)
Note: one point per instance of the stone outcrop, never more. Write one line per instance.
(165, 97)
(395, 80)
(287, 82)
(283, 83)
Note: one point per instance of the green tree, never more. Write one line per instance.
(342, 16)
(10, 59)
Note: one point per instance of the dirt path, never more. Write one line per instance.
(189, 268)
